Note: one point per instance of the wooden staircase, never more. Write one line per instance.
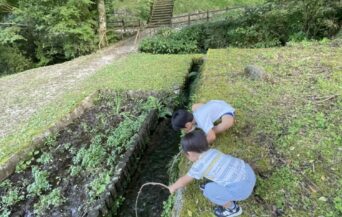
(161, 14)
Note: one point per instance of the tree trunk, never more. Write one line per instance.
(102, 23)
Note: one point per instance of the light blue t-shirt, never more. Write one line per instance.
(207, 114)
(221, 168)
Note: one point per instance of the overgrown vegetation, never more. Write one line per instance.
(190, 6)
(272, 24)
(287, 127)
(38, 33)
(76, 165)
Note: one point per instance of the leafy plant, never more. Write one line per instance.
(40, 183)
(11, 197)
(167, 207)
(75, 170)
(154, 103)
(5, 213)
(53, 199)
(123, 133)
(45, 158)
(98, 185)
(51, 140)
(23, 165)
(117, 203)
(93, 156)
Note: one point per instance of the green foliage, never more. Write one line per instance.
(40, 183)
(51, 140)
(11, 198)
(155, 103)
(132, 8)
(167, 45)
(167, 207)
(92, 157)
(189, 6)
(53, 199)
(52, 31)
(116, 204)
(121, 136)
(99, 184)
(5, 213)
(45, 158)
(272, 24)
(12, 60)
(283, 185)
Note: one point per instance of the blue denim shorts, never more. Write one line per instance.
(229, 113)
(221, 195)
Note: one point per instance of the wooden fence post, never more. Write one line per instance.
(123, 28)
(189, 19)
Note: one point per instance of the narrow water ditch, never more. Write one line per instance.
(94, 163)
(154, 166)
(163, 145)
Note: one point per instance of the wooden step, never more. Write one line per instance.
(161, 13)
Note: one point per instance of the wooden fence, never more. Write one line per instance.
(187, 19)
(206, 16)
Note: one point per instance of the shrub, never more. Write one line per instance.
(269, 25)
(165, 45)
(12, 60)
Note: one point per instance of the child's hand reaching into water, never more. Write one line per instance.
(180, 183)
(172, 189)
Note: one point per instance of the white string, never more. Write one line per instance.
(148, 183)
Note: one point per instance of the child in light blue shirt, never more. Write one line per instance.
(231, 178)
(204, 116)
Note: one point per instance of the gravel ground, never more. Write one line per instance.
(23, 94)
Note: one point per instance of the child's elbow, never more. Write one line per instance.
(211, 137)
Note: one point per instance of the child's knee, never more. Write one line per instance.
(228, 121)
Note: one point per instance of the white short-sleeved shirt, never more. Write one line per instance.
(207, 114)
(221, 168)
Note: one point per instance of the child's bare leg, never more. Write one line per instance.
(196, 106)
(228, 205)
(227, 121)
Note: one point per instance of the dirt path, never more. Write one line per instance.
(23, 94)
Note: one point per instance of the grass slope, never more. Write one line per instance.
(188, 6)
(136, 72)
(288, 127)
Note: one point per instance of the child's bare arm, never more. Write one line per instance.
(180, 183)
(196, 106)
(211, 136)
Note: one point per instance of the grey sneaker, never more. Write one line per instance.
(219, 211)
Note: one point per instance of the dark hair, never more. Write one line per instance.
(180, 118)
(195, 141)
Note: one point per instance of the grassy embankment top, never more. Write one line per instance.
(287, 126)
(188, 6)
(136, 72)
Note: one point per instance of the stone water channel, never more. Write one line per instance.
(163, 145)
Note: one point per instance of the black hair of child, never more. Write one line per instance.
(180, 118)
(195, 141)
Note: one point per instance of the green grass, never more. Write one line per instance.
(136, 72)
(188, 6)
(288, 127)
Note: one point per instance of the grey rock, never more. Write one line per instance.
(254, 72)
